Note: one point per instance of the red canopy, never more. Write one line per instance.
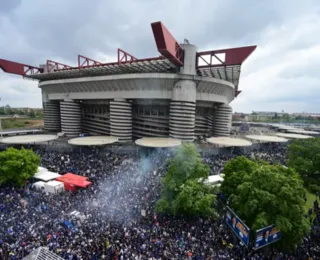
(73, 179)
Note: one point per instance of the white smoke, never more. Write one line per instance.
(132, 188)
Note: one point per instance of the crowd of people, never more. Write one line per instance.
(117, 217)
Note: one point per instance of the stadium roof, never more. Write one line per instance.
(267, 138)
(228, 141)
(224, 64)
(160, 65)
(114, 68)
(28, 139)
(158, 142)
(93, 140)
(42, 253)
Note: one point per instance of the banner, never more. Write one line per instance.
(266, 236)
(237, 226)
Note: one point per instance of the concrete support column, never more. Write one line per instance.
(70, 112)
(210, 124)
(51, 116)
(182, 120)
(222, 120)
(182, 111)
(121, 119)
(189, 60)
(183, 103)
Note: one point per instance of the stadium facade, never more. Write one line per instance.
(181, 94)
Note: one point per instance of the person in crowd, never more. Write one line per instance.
(117, 217)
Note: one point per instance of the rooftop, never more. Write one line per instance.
(228, 141)
(93, 140)
(294, 136)
(74, 179)
(28, 139)
(158, 142)
(267, 138)
(46, 176)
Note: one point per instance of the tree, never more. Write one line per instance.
(17, 166)
(304, 156)
(286, 117)
(7, 110)
(184, 191)
(263, 194)
(39, 114)
(32, 114)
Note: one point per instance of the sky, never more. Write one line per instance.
(282, 73)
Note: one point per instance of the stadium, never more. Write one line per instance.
(182, 94)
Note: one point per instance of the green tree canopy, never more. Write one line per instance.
(263, 194)
(17, 166)
(184, 192)
(32, 114)
(304, 156)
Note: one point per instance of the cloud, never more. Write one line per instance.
(281, 74)
(19, 93)
(7, 6)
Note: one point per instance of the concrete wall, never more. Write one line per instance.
(135, 86)
(190, 52)
(182, 90)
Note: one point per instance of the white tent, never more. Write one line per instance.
(214, 179)
(46, 176)
(42, 253)
(41, 169)
(38, 185)
(53, 187)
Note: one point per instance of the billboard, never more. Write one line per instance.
(237, 226)
(266, 236)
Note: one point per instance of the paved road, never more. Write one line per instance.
(8, 117)
(21, 131)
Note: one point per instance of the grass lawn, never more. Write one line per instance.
(310, 199)
(14, 123)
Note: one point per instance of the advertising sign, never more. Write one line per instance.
(237, 226)
(266, 236)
